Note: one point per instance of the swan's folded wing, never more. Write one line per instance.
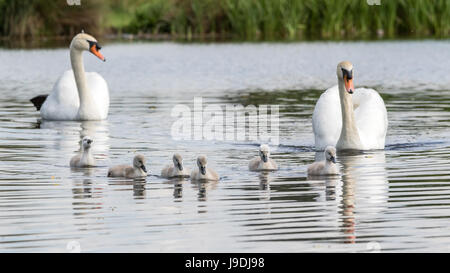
(63, 101)
(327, 119)
(371, 118)
(167, 171)
(213, 175)
(194, 174)
(253, 164)
(75, 160)
(99, 90)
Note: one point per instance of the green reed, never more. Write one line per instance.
(239, 19)
(49, 18)
(295, 19)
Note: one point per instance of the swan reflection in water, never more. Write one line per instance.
(87, 196)
(69, 136)
(82, 188)
(360, 192)
(264, 185)
(65, 144)
(177, 183)
(138, 184)
(203, 186)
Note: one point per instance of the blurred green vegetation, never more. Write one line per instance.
(33, 18)
(236, 19)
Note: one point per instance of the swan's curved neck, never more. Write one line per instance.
(86, 156)
(76, 60)
(349, 138)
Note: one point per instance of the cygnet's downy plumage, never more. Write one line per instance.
(203, 172)
(137, 170)
(263, 162)
(175, 170)
(85, 158)
(326, 167)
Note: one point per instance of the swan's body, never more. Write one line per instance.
(137, 170)
(177, 169)
(326, 167)
(64, 102)
(203, 172)
(263, 162)
(349, 118)
(77, 95)
(85, 158)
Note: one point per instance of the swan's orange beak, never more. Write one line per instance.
(95, 50)
(348, 85)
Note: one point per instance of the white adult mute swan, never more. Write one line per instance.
(77, 95)
(349, 118)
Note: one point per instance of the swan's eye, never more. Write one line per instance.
(95, 45)
(347, 74)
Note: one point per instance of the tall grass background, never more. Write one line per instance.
(236, 19)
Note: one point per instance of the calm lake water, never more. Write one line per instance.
(392, 200)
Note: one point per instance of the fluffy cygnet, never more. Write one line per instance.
(203, 172)
(85, 158)
(326, 167)
(177, 170)
(263, 162)
(137, 170)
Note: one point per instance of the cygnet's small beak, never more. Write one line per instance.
(143, 168)
(180, 167)
(333, 159)
(89, 141)
(203, 170)
(264, 157)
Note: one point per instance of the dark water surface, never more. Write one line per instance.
(392, 200)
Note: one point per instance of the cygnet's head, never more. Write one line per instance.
(344, 73)
(264, 152)
(139, 162)
(201, 163)
(86, 42)
(86, 142)
(177, 161)
(330, 154)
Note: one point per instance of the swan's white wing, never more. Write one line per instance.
(63, 101)
(370, 117)
(327, 119)
(100, 94)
